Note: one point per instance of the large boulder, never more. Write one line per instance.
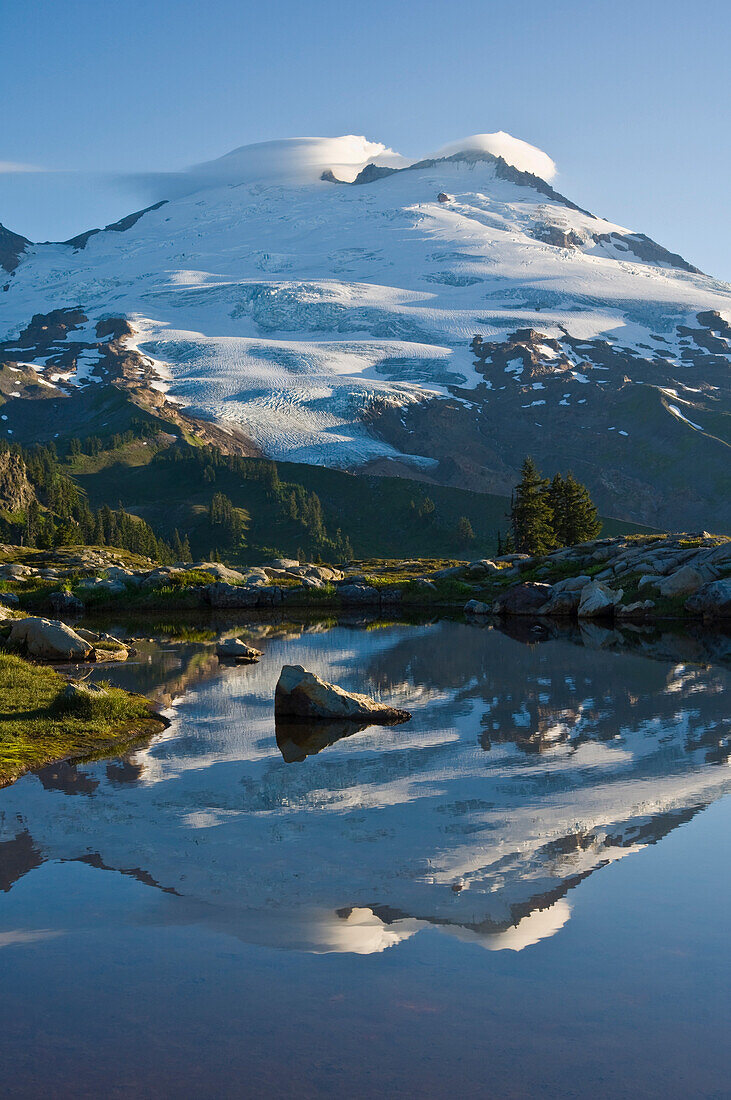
(712, 600)
(302, 694)
(523, 599)
(598, 601)
(48, 640)
(684, 582)
(233, 649)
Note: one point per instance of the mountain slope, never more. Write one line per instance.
(339, 306)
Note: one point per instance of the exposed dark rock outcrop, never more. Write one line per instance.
(12, 247)
(82, 239)
(16, 491)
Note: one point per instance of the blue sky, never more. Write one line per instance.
(631, 99)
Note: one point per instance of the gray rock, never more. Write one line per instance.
(476, 607)
(684, 582)
(523, 599)
(234, 649)
(48, 640)
(358, 593)
(303, 695)
(9, 599)
(597, 600)
(562, 603)
(78, 692)
(63, 603)
(220, 594)
(102, 586)
(572, 584)
(713, 600)
(219, 571)
(636, 610)
(649, 579)
(453, 571)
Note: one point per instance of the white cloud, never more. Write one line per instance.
(525, 157)
(7, 167)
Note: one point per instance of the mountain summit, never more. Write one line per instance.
(338, 304)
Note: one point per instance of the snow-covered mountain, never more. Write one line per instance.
(342, 306)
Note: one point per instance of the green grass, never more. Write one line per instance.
(38, 726)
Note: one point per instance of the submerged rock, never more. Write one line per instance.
(233, 649)
(302, 694)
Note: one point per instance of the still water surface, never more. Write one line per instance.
(523, 891)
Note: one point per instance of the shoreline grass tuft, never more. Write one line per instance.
(39, 725)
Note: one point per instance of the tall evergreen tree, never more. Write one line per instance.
(579, 520)
(530, 515)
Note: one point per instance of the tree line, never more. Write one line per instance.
(546, 514)
(60, 515)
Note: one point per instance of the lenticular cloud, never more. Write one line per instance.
(521, 155)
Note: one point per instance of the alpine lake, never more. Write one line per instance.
(523, 891)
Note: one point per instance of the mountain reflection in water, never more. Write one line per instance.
(526, 767)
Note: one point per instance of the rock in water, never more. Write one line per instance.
(301, 694)
(48, 640)
(233, 649)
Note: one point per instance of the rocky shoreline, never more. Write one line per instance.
(631, 578)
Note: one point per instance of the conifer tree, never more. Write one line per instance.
(531, 518)
(579, 520)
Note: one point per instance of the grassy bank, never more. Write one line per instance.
(39, 726)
